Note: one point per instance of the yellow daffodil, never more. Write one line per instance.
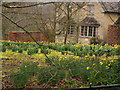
(101, 63)
(106, 44)
(60, 59)
(93, 55)
(38, 65)
(4, 76)
(108, 64)
(104, 59)
(87, 68)
(100, 46)
(76, 57)
(86, 56)
(112, 60)
(93, 63)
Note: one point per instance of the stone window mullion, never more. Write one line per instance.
(84, 31)
(92, 31)
(96, 32)
(87, 30)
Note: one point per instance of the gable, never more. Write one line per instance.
(110, 7)
(89, 21)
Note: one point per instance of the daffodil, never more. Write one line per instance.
(38, 65)
(104, 59)
(87, 68)
(93, 55)
(101, 63)
(76, 57)
(112, 60)
(106, 44)
(93, 63)
(60, 59)
(86, 56)
(108, 64)
(4, 75)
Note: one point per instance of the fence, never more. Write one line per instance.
(22, 36)
(113, 34)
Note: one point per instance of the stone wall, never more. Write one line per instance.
(22, 36)
(73, 38)
(60, 38)
(113, 35)
(84, 40)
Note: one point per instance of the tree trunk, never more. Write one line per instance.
(68, 23)
(77, 34)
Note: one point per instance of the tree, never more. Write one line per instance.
(27, 15)
(68, 10)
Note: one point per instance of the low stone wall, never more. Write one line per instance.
(60, 38)
(113, 35)
(84, 40)
(24, 37)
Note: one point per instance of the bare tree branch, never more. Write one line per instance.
(27, 5)
(23, 30)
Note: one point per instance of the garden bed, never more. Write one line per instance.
(67, 66)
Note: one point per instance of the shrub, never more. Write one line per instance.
(19, 80)
(21, 77)
(51, 75)
(20, 50)
(53, 60)
(30, 67)
(3, 49)
(95, 41)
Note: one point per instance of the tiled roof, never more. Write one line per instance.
(89, 21)
(111, 7)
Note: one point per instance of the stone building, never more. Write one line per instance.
(90, 20)
(93, 20)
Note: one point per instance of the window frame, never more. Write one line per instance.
(71, 30)
(94, 29)
(91, 9)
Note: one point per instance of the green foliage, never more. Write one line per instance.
(51, 75)
(44, 74)
(118, 51)
(14, 49)
(45, 50)
(95, 41)
(30, 67)
(88, 67)
(21, 77)
(3, 49)
(32, 51)
(20, 50)
(53, 60)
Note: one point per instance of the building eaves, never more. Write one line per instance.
(110, 7)
(89, 21)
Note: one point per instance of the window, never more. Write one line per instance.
(85, 29)
(71, 30)
(90, 9)
(90, 31)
